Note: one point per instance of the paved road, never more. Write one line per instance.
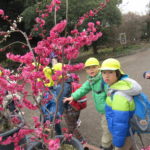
(134, 65)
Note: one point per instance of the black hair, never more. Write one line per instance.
(118, 74)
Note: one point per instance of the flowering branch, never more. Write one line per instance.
(33, 62)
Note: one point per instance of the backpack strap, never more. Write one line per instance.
(102, 89)
(112, 92)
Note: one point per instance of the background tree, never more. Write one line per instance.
(109, 17)
(132, 25)
(146, 34)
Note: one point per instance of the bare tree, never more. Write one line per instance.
(132, 25)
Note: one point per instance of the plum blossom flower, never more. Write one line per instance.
(91, 13)
(146, 148)
(54, 144)
(59, 27)
(98, 23)
(1, 12)
(40, 21)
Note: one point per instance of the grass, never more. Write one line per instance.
(104, 53)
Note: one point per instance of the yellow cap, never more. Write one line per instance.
(91, 62)
(0, 72)
(57, 67)
(111, 64)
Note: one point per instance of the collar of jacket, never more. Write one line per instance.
(94, 79)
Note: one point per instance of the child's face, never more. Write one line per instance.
(92, 70)
(109, 76)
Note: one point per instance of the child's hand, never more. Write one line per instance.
(147, 75)
(68, 99)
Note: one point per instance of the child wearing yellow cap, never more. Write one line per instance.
(62, 85)
(120, 105)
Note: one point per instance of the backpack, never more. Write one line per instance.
(80, 103)
(140, 122)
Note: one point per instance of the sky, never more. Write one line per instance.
(135, 6)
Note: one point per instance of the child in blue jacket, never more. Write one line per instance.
(120, 105)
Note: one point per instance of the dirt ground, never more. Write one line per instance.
(134, 65)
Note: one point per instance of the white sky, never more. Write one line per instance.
(136, 6)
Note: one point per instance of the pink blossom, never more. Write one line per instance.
(29, 105)
(81, 19)
(40, 21)
(146, 148)
(54, 3)
(36, 121)
(54, 144)
(1, 109)
(57, 8)
(98, 23)
(75, 77)
(57, 1)
(18, 148)
(68, 136)
(1, 12)
(65, 130)
(1, 49)
(59, 27)
(15, 120)
(72, 68)
(91, 13)
(9, 140)
(75, 31)
(36, 29)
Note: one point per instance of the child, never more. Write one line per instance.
(71, 115)
(49, 108)
(96, 85)
(119, 102)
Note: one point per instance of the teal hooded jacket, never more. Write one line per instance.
(98, 88)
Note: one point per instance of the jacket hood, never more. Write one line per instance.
(127, 86)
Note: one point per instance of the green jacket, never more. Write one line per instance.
(98, 88)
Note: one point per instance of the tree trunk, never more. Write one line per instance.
(94, 45)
